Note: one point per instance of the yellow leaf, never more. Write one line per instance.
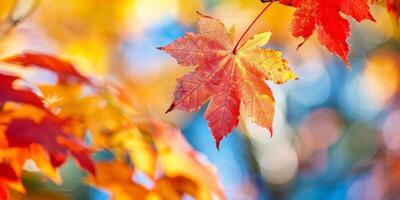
(42, 160)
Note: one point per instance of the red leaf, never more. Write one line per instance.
(49, 134)
(3, 192)
(393, 6)
(227, 75)
(8, 93)
(223, 111)
(323, 16)
(7, 173)
(64, 70)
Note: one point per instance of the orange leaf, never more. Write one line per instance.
(178, 159)
(117, 177)
(174, 188)
(42, 160)
(227, 75)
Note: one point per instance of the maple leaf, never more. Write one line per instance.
(7, 175)
(11, 164)
(393, 6)
(9, 93)
(116, 177)
(49, 134)
(228, 75)
(182, 166)
(65, 71)
(15, 157)
(323, 16)
(173, 188)
(65, 99)
(141, 152)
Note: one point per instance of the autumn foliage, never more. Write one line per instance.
(80, 116)
(49, 126)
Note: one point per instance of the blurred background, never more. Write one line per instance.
(336, 131)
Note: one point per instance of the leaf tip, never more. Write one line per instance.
(301, 44)
(370, 17)
(171, 108)
(218, 140)
(202, 15)
(9, 59)
(289, 76)
(348, 66)
(271, 132)
(217, 143)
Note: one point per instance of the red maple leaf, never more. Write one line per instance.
(49, 134)
(7, 175)
(65, 71)
(393, 6)
(228, 74)
(323, 16)
(9, 93)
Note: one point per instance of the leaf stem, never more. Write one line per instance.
(11, 23)
(254, 21)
